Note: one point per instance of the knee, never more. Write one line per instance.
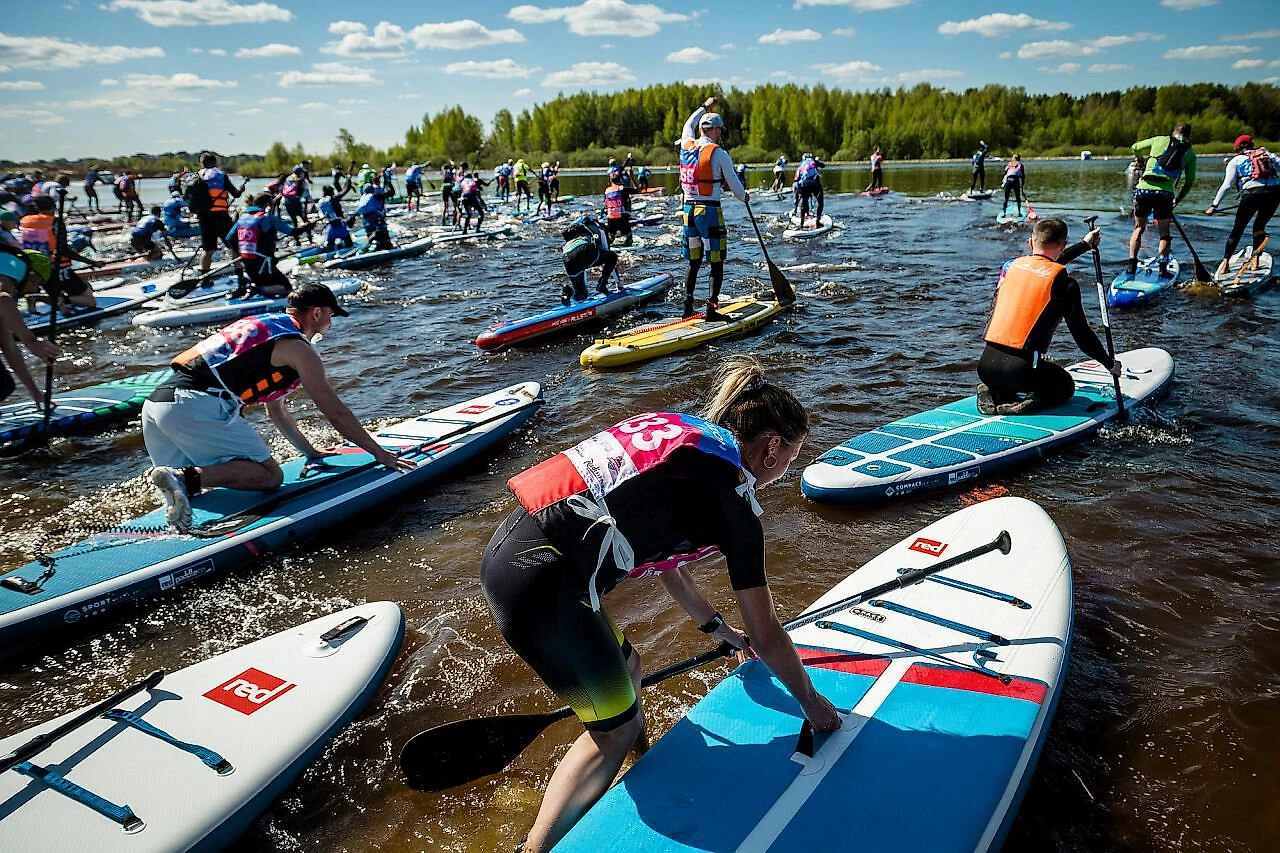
(272, 476)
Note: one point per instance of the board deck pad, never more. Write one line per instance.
(1257, 275)
(82, 411)
(954, 444)
(657, 339)
(1147, 282)
(267, 709)
(809, 228)
(142, 558)
(925, 718)
(565, 317)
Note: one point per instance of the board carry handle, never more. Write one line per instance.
(39, 743)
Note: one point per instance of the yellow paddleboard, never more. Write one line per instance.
(656, 339)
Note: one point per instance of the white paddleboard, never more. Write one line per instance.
(946, 690)
(1257, 273)
(809, 228)
(262, 712)
(220, 310)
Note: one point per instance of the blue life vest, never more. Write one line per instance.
(807, 175)
(147, 227)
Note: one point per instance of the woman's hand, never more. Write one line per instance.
(726, 633)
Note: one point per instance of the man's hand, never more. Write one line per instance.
(709, 103)
(1117, 370)
(43, 350)
(391, 462)
(1093, 238)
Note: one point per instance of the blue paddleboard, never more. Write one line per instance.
(84, 411)
(1127, 290)
(946, 693)
(956, 444)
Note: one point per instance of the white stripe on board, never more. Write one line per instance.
(789, 803)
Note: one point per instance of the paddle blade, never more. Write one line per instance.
(454, 754)
(782, 288)
(1202, 272)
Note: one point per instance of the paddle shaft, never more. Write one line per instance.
(38, 743)
(1001, 543)
(1202, 274)
(1106, 319)
(781, 287)
(276, 499)
(1253, 259)
(505, 737)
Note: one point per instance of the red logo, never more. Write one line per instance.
(928, 546)
(474, 410)
(249, 691)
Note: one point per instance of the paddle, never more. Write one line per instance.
(1252, 262)
(1031, 211)
(53, 287)
(38, 743)
(1202, 274)
(247, 515)
(781, 287)
(456, 753)
(1106, 320)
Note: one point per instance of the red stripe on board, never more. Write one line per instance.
(959, 679)
(250, 547)
(843, 661)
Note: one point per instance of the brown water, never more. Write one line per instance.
(1165, 737)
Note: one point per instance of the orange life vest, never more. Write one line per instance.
(695, 168)
(38, 231)
(1023, 295)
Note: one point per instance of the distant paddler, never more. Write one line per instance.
(1170, 162)
(1256, 171)
(22, 274)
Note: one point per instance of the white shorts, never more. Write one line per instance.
(199, 429)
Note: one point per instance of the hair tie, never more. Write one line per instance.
(757, 383)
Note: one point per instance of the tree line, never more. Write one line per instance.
(922, 122)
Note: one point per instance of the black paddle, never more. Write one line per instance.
(1106, 320)
(781, 287)
(1202, 274)
(38, 743)
(456, 753)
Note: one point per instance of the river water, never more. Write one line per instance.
(1165, 737)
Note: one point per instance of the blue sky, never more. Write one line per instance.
(115, 77)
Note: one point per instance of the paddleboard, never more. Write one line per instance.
(1257, 274)
(545, 216)
(769, 195)
(955, 444)
(648, 219)
(117, 301)
(192, 761)
(221, 310)
(970, 194)
(875, 193)
(946, 691)
(1127, 290)
(122, 268)
(565, 199)
(564, 317)
(656, 339)
(368, 259)
(654, 191)
(1016, 218)
(141, 558)
(452, 236)
(82, 411)
(809, 228)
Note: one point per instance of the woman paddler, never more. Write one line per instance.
(644, 497)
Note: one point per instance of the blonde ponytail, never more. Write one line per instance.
(748, 404)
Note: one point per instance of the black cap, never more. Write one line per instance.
(315, 296)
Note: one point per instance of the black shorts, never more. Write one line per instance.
(71, 284)
(293, 207)
(265, 273)
(547, 619)
(1157, 203)
(214, 227)
(141, 244)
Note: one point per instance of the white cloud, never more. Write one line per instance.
(1000, 24)
(1209, 51)
(782, 75)
(30, 116)
(329, 74)
(781, 36)
(856, 5)
(846, 70)
(268, 50)
(461, 35)
(352, 102)
(705, 81)
(107, 81)
(21, 85)
(217, 51)
(1064, 68)
(590, 74)
(728, 46)
(1088, 47)
(197, 13)
(493, 69)
(48, 52)
(601, 17)
(180, 82)
(387, 41)
(1238, 64)
(1105, 67)
(1184, 5)
(927, 74)
(845, 32)
(1006, 54)
(254, 111)
(522, 93)
(314, 106)
(691, 55)
(273, 101)
(1256, 34)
